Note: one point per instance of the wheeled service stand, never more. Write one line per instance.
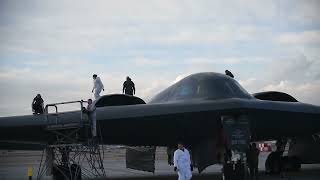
(72, 153)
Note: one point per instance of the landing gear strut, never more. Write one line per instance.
(277, 162)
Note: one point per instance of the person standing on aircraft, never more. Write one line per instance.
(182, 162)
(37, 105)
(128, 87)
(229, 73)
(91, 111)
(253, 160)
(97, 86)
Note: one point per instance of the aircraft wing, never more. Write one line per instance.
(199, 118)
(163, 124)
(197, 122)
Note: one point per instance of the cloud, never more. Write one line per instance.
(142, 61)
(302, 12)
(147, 92)
(54, 47)
(305, 37)
(305, 92)
(50, 27)
(210, 33)
(59, 61)
(297, 75)
(249, 84)
(298, 68)
(180, 77)
(7, 73)
(225, 60)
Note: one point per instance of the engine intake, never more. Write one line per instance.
(275, 96)
(118, 100)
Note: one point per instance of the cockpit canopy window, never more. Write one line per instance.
(208, 86)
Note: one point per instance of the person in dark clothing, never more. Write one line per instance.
(37, 105)
(227, 155)
(170, 155)
(128, 87)
(228, 73)
(253, 160)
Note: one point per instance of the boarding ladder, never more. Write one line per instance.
(56, 113)
(67, 132)
(71, 150)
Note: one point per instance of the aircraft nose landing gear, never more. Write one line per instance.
(273, 162)
(277, 162)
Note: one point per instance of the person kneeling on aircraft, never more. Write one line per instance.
(182, 162)
(37, 105)
(229, 73)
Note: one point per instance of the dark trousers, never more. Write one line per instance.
(254, 174)
(37, 109)
(128, 92)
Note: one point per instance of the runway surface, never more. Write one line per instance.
(14, 166)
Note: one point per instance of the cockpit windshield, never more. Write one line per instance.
(203, 85)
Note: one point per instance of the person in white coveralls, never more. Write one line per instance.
(182, 162)
(97, 86)
(91, 111)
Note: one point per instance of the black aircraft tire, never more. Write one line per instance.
(273, 163)
(276, 169)
(296, 163)
(291, 163)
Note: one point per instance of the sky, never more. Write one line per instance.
(54, 47)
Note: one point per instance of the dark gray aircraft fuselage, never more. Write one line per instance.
(191, 108)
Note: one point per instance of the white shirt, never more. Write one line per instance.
(97, 84)
(182, 159)
(91, 108)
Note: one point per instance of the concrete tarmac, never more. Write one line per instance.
(14, 166)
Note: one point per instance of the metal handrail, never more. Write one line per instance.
(61, 103)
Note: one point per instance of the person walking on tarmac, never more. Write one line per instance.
(97, 86)
(128, 87)
(182, 162)
(253, 160)
(37, 105)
